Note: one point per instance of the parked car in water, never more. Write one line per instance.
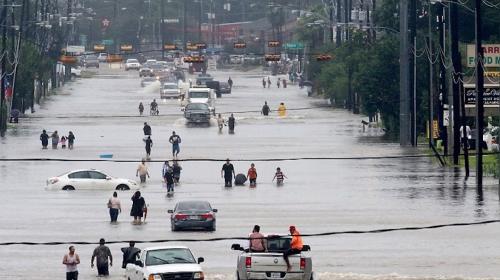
(132, 63)
(165, 263)
(91, 61)
(193, 214)
(83, 179)
(76, 72)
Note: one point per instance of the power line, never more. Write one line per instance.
(331, 233)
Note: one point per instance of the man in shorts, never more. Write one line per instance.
(227, 173)
(175, 140)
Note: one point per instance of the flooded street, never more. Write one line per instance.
(320, 195)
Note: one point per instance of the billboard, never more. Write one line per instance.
(491, 55)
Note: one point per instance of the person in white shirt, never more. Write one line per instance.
(71, 260)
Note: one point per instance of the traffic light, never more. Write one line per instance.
(272, 57)
(323, 57)
(170, 47)
(201, 46)
(240, 45)
(273, 44)
(126, 48)
(194, 59)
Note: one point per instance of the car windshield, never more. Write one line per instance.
(150, 79)
(91, 57)
(193, 205)
(132, 61)
(278, 243)
(169, 86)
(198, 94)
(169, 256)
(197, 106)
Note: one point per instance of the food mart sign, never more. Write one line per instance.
(491, 55)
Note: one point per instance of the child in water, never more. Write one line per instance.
(279, 176)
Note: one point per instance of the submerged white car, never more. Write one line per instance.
(85, 179)
(165, 262)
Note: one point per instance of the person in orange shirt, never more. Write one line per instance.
(295, 246)
(252, 175)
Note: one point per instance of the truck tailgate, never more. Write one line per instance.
(273, 262)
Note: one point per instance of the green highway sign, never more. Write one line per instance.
(294, 46)
(107, 42)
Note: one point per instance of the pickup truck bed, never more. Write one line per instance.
(272, 266)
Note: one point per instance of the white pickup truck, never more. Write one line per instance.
(165, 263)
(271, 264)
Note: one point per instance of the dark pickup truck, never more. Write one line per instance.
(197, 113)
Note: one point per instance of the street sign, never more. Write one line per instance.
(75, 49)
(107, 42)
(171, 20)
(294, 46)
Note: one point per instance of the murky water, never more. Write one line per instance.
(318, 196)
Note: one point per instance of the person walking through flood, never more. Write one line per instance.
(146, 129)
(220, 122)
(265, 109)
(149, 144)
(55, 139)
(71, 140)
(175, 140)
(130, 254)
(114, 207)
(282, 110)
(44, 138)
(141, 108)
(137, 210)
(71, 260)
(252, 175)
(230, 123)
(102, 253)
(278, 82)
(142, 171)
(176, 171)
(263, 82)
(227, 173)
(268, 82)
(279, 176)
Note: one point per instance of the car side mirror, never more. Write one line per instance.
(108, 178)
(170, 211)
(139, 263)
(236, 247)
(306, 248)
(214, 210)
(201, 259)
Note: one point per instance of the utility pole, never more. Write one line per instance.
(162, 28)
(339, 16)
(199, 21)
(404, 82)
(431, 78)
(412, 70)
(479, 98)
(330, 13)
(456, 83)
(184, 25)
(3, 105)
(346, 19)
(442, 79)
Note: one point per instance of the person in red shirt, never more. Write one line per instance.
(252, 175)
(295, 246)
